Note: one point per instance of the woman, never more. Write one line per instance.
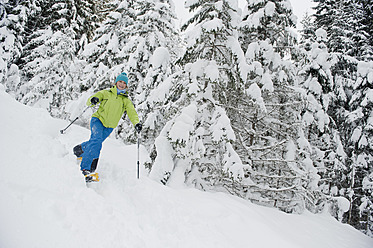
(113, 103)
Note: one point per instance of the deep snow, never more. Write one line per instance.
(45, 202)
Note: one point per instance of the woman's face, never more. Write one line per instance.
(121, 85)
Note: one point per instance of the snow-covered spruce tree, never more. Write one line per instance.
(348, 112)
(365, 26)
(325, 147)
(307, 33)
(3, 35)
(48, 61)
(331, 17)
(195, 146)
(151, 50)
(104, 55)
(341, 21)
(346, 25)
(269, 19)
(267, 119)
(13, 16)
(87, 20)
(359, 126)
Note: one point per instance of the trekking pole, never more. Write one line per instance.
(63, 130)
(138, 156)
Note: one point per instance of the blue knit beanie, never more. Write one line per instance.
(122, 77)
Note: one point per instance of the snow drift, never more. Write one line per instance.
(45, 202)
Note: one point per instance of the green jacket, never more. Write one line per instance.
(112, 107)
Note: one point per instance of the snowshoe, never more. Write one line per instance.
(90, 176)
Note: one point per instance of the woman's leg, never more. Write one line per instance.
(92, 148)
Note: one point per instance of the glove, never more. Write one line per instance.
(138, 127)
(94, 100)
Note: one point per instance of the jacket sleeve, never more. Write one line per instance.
(99, 95)
(131, 112)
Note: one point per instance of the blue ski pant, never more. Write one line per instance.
(92, 147)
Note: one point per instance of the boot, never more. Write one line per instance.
(90, 176)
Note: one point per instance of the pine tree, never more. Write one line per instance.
(325, 148)
(307, 37)
(87, 20)
(358, 129)
(365, 26)
(13, 16)
(348, 27)
(195, 146)
(267, 117)
(346, 23)
(307, 33)
(49, 58)
(105, 55)
(269, 19)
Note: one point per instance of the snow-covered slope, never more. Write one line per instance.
(45, 202)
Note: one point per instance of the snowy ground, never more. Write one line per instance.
(45, 202)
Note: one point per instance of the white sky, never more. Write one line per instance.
(300, 7)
